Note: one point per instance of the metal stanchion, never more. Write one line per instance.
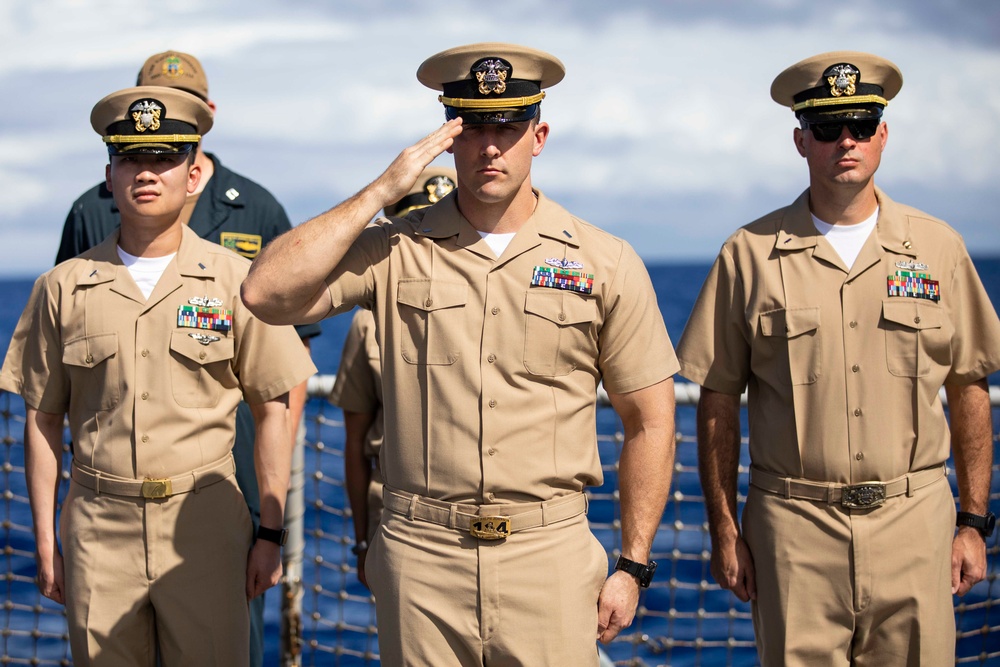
(291, 583)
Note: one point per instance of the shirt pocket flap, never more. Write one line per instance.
(89, 351)
(912, 314)
(190, 348)
(560, 308)
(789, 322)
(432, 295)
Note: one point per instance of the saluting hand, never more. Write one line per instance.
(396, 181)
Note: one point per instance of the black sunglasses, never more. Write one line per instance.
(860, 129)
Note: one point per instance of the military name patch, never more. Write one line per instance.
(914, 285)
(248, 245)
(199, 317)
(575, 281)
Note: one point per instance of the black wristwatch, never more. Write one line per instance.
(278, 536)
(984, 523)
(644, 573)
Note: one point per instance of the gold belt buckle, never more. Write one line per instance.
(863, 496)
(490, 527)
(153, 489)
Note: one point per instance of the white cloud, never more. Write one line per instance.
(662, 101)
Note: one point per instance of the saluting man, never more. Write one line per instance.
(144, 342)
(497, 313)
(845, 313)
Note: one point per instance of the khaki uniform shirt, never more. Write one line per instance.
(145, 398)
(843, 368)
(490, 382)
(358, 387)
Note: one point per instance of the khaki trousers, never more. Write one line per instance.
(445, 598)
(171, 573)
(865, 588)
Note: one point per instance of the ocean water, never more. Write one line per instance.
(677, 286)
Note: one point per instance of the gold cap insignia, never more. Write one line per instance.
(173, 67)
(492, 75)
(843, 79)
(146, 114)
(438, 188)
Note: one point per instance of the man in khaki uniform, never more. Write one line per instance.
(226, 208)
(144, 342)
(845, 313)
(497, 314)
(358, 388)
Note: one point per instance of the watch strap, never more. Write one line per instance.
(984, 523)
(276, 535)
(641, 571)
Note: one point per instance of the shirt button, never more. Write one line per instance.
(202, 355)
(145, 353)
(491, 451)
(491, 497)
(89, 359)
(145, 395)
(916, 320)
(145, 438)
(562, 317)
(428, 303)
(855, 368)
(857, 412)
(493, 403)
(491, 358)
(859, 456)
(854, 324)
(495, 311)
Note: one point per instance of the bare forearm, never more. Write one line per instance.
(43, 464)
(286, 284)
(718, 460)
(357, 469)
(972, 443)
(646, 464)
(272, 458)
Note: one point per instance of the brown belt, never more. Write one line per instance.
(850, 496)
(152, 489)
(488, 522)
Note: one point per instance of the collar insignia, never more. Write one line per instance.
(203, 338)
(563, 263)
(911, 265)
(146, 114)
(843, 79)
(204, 301)
(492, 75)
(438, 188)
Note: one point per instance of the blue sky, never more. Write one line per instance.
(663, 131)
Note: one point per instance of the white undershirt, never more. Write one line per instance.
(847, 240)
(497, 242)
(145, 271)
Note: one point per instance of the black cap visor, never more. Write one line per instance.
(491, 116)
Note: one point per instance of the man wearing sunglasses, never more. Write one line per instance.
(843, 315)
